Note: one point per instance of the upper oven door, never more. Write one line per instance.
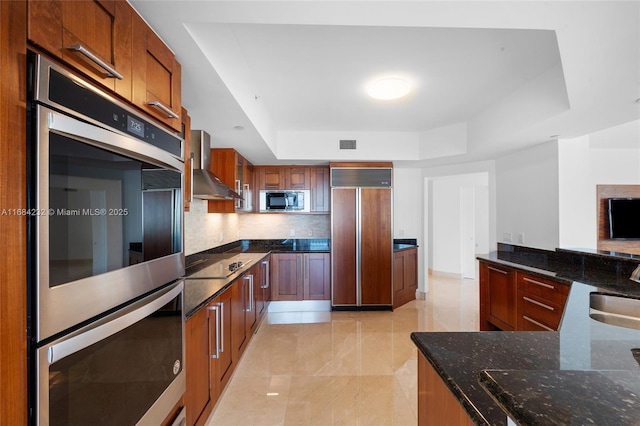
(107, 215)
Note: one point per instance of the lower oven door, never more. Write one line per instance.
(125, 369)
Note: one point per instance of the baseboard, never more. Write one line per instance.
(421, 295)
(444, 274)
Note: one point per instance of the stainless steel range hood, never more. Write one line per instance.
(206, 185)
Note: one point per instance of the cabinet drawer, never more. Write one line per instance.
(540, 310)
(546, 289)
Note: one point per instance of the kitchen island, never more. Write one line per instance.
(585, 373)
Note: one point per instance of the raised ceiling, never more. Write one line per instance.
(486, 77)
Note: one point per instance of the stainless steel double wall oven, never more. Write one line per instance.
(105, 228)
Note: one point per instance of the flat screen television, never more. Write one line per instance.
(624, 218)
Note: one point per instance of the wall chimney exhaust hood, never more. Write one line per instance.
(206, 185)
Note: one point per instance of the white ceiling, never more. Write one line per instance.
(487, 77)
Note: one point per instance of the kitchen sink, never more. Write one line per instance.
(615, 310)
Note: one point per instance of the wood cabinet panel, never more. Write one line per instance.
(498, 297)
(405, 276)
(376, 246)
(197, 356)
(540, 302)
(156, 76)
(234, 170)
(103, 28)
(317, 276)
(320, 189)
(287, 276)
(224, 363)
(238, 319)
(270, 177)
(436, 404)
(188, 165)
(297, 178)
(343, 246)
(13, 318)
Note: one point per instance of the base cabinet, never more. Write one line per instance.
(301, 276)
(436, 404)
(497, 298)
(208, 357)
(514, 300)
(216, 337)
(405, 276)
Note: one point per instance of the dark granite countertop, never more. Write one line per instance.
(585, 373)
(400, 244)
(200, 290)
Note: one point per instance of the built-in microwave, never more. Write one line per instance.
(285, 201)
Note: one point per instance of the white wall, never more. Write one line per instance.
(407, 213)
(527, 200)
(611, 156)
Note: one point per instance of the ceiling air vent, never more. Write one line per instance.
(347, 144)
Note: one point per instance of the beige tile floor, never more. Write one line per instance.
(341, 368)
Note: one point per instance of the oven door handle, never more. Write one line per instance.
(84, 338)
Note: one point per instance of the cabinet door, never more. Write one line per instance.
(93, 36)
(343, 246)
(287, 277)
(317, 276)
(250, 302)
(501, 297)
(197, 356)
(271, 178)
(188, 165)
(405, 276)
(320, 190)
(399, 283)
(156, 76)
(376, 246)
(238, 319)
(224, 363)
(224, 164)
(297, 178)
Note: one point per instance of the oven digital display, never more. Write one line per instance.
(135, 126)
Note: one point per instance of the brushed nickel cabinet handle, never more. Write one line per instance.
(498, 270)
(162, 107)
(111, 72)
(529, 280)
(538, 303)
(216, 355)
(537, 323)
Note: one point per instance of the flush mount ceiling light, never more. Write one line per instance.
(388, 88)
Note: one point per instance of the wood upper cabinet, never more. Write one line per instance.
(405, 276)
(271, 177)
(95, 37)
(301, 276)
(297, 178)
(320, 189)
(156, 76)
(237, 172)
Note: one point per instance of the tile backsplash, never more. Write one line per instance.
(206, 230)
